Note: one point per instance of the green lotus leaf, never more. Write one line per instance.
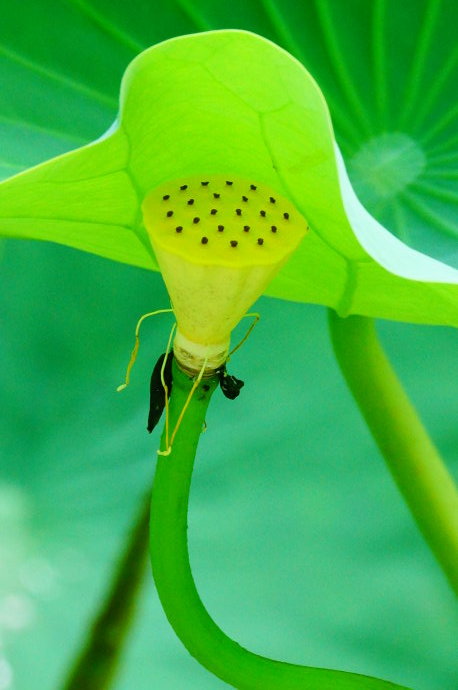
(227, 102)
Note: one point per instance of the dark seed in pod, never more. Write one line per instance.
(204, 184)
(253, 186)
(183, 186)
(179, 228)
(190, 202)
(246, 228)
(213, 211)
(195, 220)
(228, 182)
(272, 200)
(273, 228)
(238, 211)
(166, 196)
(204, 240)
(262, 213)
(244, 198)
(216, 195)
(286, 216)
(220, 228)
(234, 243)
(169, 214)
(260, 240)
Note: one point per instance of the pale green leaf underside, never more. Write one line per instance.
(231, 102)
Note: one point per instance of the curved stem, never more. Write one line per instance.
(172, 572)
(413, 460)
(95, 667)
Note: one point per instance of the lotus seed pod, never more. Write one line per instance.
(219, 240)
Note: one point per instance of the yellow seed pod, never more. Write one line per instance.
(219, 240)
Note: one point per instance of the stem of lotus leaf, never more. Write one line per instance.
(413, 460)
(172, 573)
(96, 665)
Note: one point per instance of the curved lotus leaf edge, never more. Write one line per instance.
(389, 251)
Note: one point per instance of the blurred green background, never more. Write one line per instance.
(301, 546)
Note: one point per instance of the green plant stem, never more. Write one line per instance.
(96, 665)
(172, 572)
(413, 460)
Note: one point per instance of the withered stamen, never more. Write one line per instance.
(190, 202)
(286, 216)
(253, 186)
(244, 198)
(220, 228)
(195, 220)
(213, 211)
(204, 184)
(179, 228)
(183, 186)
(216, 195)
(234, 243)
(246, 228)
(262, 213)
(273, 228)
(204, 240)
(260, 240)
(228, 182)
(238, 211)
(166, 196)
(169, 214)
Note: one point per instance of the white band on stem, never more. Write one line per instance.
(191, 356)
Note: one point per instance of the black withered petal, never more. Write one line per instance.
(156, 390)
(230, 385)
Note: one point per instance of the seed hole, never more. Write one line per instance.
(169, 214)
(213, 211)
(183, 187)
(272, 200)
(216, 195)
(204, 184)
(244, 198)
(179, 228)
(246, 228)
(204, 240)
(229, 183)
(234, 243)
(190, 202)
(238, 211)
(166, 196)
(286, 216)
(273, 228)
(195, 220)
(253, 186)
(260, 240)
(262, 213)
(220, 228)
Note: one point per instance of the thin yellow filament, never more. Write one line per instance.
(166, 389)
(256, 317)
(168, 450)
(188, 400)
(133, 356)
